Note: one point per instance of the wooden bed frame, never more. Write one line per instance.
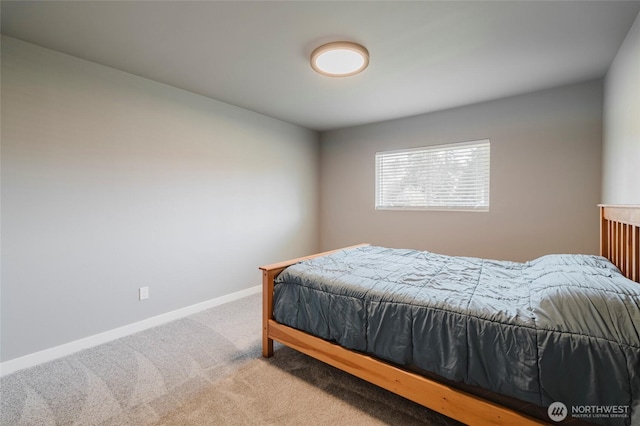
(619, 242)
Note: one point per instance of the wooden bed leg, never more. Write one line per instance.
(267, 348)
(267, 312)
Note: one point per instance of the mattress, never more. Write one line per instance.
(560, 328)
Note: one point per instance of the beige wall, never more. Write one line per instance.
(545, 178)
(621, 142)
(111, 182)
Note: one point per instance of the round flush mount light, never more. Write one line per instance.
(339, 59)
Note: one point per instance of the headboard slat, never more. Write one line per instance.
(620, 238)
(635, 256)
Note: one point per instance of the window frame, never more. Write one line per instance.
(446, 146)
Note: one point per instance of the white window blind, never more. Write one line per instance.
(441, 177)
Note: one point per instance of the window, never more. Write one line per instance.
(440, 177)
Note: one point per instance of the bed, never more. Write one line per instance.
(447, 380)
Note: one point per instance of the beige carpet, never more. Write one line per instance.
(205, 369)
(293, 389)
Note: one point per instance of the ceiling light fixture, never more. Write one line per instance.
(340, 59)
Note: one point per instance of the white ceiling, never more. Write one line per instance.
(425, 56)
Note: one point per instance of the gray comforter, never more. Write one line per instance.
(559, 328)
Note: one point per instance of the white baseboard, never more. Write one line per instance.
(56, 352)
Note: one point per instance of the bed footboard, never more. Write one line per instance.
(269, 274)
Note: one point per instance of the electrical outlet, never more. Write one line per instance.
(143, 293)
